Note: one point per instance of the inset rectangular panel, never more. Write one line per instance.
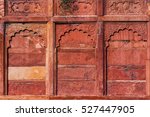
(80, 73)
(1, 8)
(27, 73)
(76, 7)
(17, 87)
(76, 88)
(76, 58)
(126, 72)
(27, 7)
(125, 7)
(131, 89)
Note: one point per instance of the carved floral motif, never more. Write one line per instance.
(121, 7)
(1, 8)
(81, 7)
(25, 7)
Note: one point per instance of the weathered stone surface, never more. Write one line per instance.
(76, 53)
(126, 89)
(126, 72)
(126, 45)
(76, 73)
(77, 7)
(76, 58)
(27, 73)
(24, 59)
(27, 8)
(26, 44)
(1, 8)
(82, 35)
(26, 35)
(125, 7)
(21, 87)
(123, 56)
(1, 60)
(82, 48)
(76, 88)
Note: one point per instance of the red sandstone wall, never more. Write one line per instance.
(90, 48)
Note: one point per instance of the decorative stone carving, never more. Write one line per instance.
(114, 27)
(29, 39)
(127, 38)
(123, 7)
(76, 35)
(126, 50)
(26, 7)
(77, 7)
(30, 35)
(1, 8)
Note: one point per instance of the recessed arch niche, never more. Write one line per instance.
(126, 63)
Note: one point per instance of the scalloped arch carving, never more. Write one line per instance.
(126, 38)
(76, 38)
(27, 39)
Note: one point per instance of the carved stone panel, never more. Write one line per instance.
(76, 59)
(27, 7)
(76, 7)
(126, 45)
(125, 7)
(26, 44)
(76, 35)
(1, 8)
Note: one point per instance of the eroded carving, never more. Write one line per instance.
(28, 35)
(112, 27)
(121, 7)
(77, 35)
(126, 38)
(25, 7)
(77, 7)
(29, 39)
(1, 8)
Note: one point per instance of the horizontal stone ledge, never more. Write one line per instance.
(44, 97)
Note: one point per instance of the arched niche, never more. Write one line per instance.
(26, 58)
(126, 62)
(76, 38)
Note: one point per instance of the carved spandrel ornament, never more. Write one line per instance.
(77, 7)
(27, 7)
(125, 7)
(114, 27)
(31, 35)
(76, 35)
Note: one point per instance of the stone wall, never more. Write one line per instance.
(81, 48)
